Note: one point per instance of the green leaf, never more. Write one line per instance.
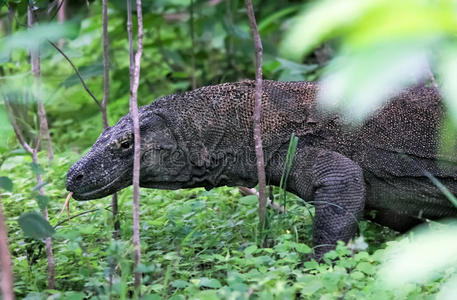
(366, 268)
(35, 37)
(249, 200)
(251, 249)
(35, 226)
(355, 82)
(179, 284)
(142, 268)
(323, 20)
(302, 248)
(6, 183)
(210, 283)
(42, 201)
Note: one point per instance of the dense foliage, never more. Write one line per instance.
(196, 244)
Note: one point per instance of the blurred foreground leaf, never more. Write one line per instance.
(35, 37)
(385, 46)
(423, 256)
(35, 226)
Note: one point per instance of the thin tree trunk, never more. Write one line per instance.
(61, 17)
(192, 50)
(5, 261)
(35, 62)
(257, 114)
(106, 92)
(106, 62)
(134, 69)
(44, 131)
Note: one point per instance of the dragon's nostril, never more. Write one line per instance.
(79, 177)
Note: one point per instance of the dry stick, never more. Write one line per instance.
(35, 61)
(5, 261)
(134, 71)
(77, 73)
(257, 114)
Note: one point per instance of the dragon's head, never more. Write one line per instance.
(107, 167)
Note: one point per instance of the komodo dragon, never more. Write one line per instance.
(204, 138)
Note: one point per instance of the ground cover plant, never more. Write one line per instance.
(196, 244)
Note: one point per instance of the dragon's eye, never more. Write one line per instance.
(125, 144)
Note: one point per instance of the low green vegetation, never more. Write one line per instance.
(196, 244)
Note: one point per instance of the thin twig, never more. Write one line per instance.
(134, 82)
(77, 73)
(257, 114)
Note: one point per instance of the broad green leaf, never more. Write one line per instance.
(179, 284)
(6, 183)
(251, 249)
(357, 83)
(35, 37)
(249, 200)
(419, 257)
(142, 268)
(35, 226)
(363, 23)
(366, 268)
(320, 21)
(210, 283)
(302, 248)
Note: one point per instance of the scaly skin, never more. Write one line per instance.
(203, 138)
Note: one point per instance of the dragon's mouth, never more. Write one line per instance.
(103, 191)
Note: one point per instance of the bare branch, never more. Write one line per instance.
(257, 114)
(77, 73)
(5, 261)
(134, 82)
